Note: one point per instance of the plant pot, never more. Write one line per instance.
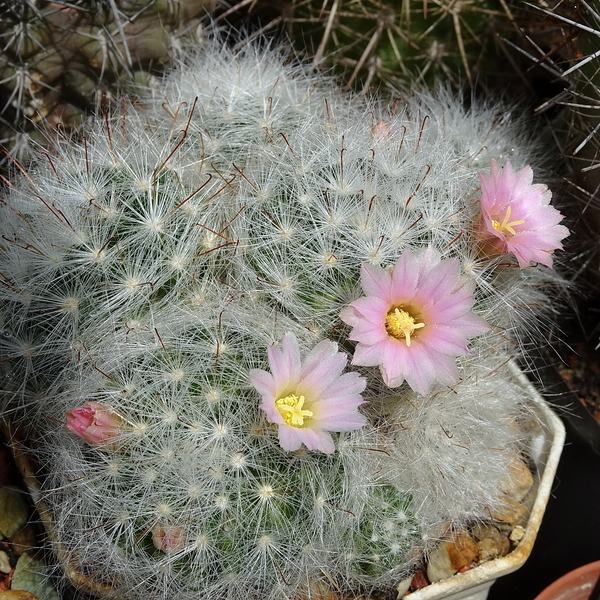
(575, 585)
(544, 452)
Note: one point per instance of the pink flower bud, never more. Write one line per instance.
(381, 131)
(98, 424)
(168, 538)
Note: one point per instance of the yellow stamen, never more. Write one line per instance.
(401, 325)
(506, 225)
(290, 408)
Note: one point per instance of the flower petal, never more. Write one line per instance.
(350, 422)
(368, 356)
(263, 382)
(447, 340)
(441, 280)
(376, 281)
(285, 361)
(396, 356)
(450, 307)
(369, 334)
(322, 366)
(348, 385)
(405, 277)
(289, 437)
(317, 440)
(269, 407)
(371, 308)
(422, 372)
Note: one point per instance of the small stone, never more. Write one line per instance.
(490, 548)
(491, 543)
(24, 540)
(418, 581)
(516, 535)
(14, 511)
(403, 587)
(4, 563)
(451, 556)
(17, 595)
(29, 576)
(461, 550)
(518, 481)
(512, 512)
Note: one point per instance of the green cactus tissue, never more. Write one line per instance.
(259, 328)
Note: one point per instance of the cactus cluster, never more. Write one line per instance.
(196, 247)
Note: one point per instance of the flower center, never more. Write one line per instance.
(290, 408)
(506, 224)
(401, 324)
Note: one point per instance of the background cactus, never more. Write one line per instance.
(149, 265)
(374, 43)
(559, 40)
(59, 58)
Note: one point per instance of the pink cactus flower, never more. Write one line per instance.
(168, 538)
(311, 397)
(517, 217)
(414, 320)
(97, 424)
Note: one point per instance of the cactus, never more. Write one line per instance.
(202, 247)
(562, 38)
(58, 58)
(373, 43)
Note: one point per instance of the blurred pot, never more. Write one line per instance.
(580, 584)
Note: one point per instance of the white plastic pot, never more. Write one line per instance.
(545, 451)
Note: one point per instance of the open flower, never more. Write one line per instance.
(97, 424)
(311, 397)
(414, 320)
(517, 216)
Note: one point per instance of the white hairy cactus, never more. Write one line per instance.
(151, 265)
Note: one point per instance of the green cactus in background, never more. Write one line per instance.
(561, 41)
(58, 58)
(399, 43)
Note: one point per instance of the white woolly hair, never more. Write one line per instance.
(151, 262)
